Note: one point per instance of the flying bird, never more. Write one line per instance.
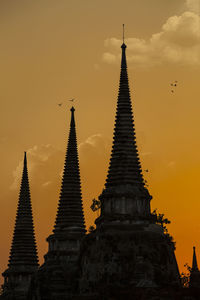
(174, 83)
(59, 104)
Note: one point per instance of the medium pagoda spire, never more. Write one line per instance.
(23, 260)
(58, 274)
(70, 208)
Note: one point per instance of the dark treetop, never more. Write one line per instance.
(23, 250)
(70, 208)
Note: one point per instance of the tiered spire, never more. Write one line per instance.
(23, 250)
(194, 261)
(125, 168)
(194, 273)
(70, 209)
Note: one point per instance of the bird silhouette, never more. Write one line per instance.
(174, 83)
(59, 104)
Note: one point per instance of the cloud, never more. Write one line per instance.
(41, 166)
(46, 183)
(193, 5)
(110, 58)
(94, 146)
(94, 155)
(178, 42)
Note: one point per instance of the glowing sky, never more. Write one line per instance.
(53, 50)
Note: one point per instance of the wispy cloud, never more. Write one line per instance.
(94, 146)
(41, 166)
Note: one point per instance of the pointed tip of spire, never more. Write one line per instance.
(72, 124)
(194, 261)
(25, 158)
(123, 44)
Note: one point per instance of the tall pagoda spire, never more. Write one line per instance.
(70, 208)
(125, 192)
(124, 166)
(23, 260)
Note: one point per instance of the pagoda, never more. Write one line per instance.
(23, 260)
(194, 282)
(128, 250)
(57, 278)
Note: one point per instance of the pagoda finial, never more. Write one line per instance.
(72, 109)
(123, 33)
(194, 260)
(123, 46)
(70, 209)
(72, 116)
(25, 159)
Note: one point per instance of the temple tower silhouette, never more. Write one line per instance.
(23, 260)
(128, 255)
(128, 249)
(57, 278)
(194, 272)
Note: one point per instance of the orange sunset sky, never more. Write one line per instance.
(54, 50)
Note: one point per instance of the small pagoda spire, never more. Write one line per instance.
(125, 167)
(23, 260)
(70, 215)
(194, 273)
(194, 261)
(23, 250)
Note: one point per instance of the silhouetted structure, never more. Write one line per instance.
(128, 250)
(57, 278)
(128, 256)
(194, 273)
(23, 260)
